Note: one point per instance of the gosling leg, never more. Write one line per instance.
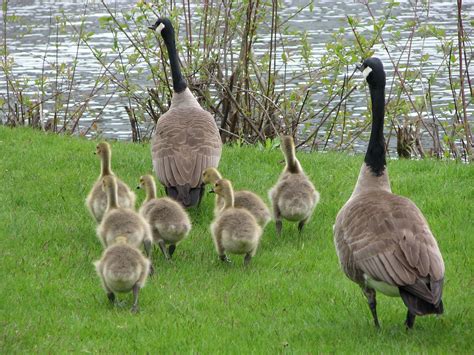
(247, 259)
(171, 249)
(224, 258)
(278, 225)
(277, 216)
(148, 251)
(111, 297)
(135, 307)
(162, 246)
(301, 225)
(370, 294)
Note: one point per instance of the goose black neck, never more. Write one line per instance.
(179, 84)
(375, 155)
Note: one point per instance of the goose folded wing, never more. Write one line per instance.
(181, 151)
(399, 249)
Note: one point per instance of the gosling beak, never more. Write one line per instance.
(138, 187)
(211, 191)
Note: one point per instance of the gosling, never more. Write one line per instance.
(294, 196)
(122, 268)
(169, 222)
(234, 230)
(242, 199)
(96, 201)
(122, 222)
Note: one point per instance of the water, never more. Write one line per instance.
(28, 51)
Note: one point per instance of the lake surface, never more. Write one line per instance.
(28, 49)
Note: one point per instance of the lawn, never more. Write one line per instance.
(293, 297)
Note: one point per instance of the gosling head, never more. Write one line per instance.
(372, 69)
(144, 180)
(223, 187)
(108, 181)
(210, 176)
(102, 149)
(287, 143)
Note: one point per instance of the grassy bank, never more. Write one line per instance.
(292, 298)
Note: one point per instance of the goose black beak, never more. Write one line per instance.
(360, 67)
(153, 28)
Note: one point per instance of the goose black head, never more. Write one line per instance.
(164, 26)
(372, 69)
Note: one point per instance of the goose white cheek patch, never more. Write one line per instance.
(160, 27)
(366, 72)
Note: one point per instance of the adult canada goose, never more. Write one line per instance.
(234, 230)
(122, 222)
(122, 268)
(293, 196)
(383, 241)
(186, 139)
(242, 199)
(96, 201)
(168, 220)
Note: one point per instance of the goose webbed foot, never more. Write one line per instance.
(410, 321)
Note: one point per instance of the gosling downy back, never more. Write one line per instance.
(96, 201)
(383, 240)
(186, 139)
(234, 230)
(242, 199)
(168, 220)
(122, 222)
(122, 268)
(293, 196)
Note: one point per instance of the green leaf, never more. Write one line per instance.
(104, 21)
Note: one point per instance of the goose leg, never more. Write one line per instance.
(370, 294)
(410, 321)
(171, 249)
(162, 246)
(135, 307)
(201, 194)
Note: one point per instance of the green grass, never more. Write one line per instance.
(293, 297)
